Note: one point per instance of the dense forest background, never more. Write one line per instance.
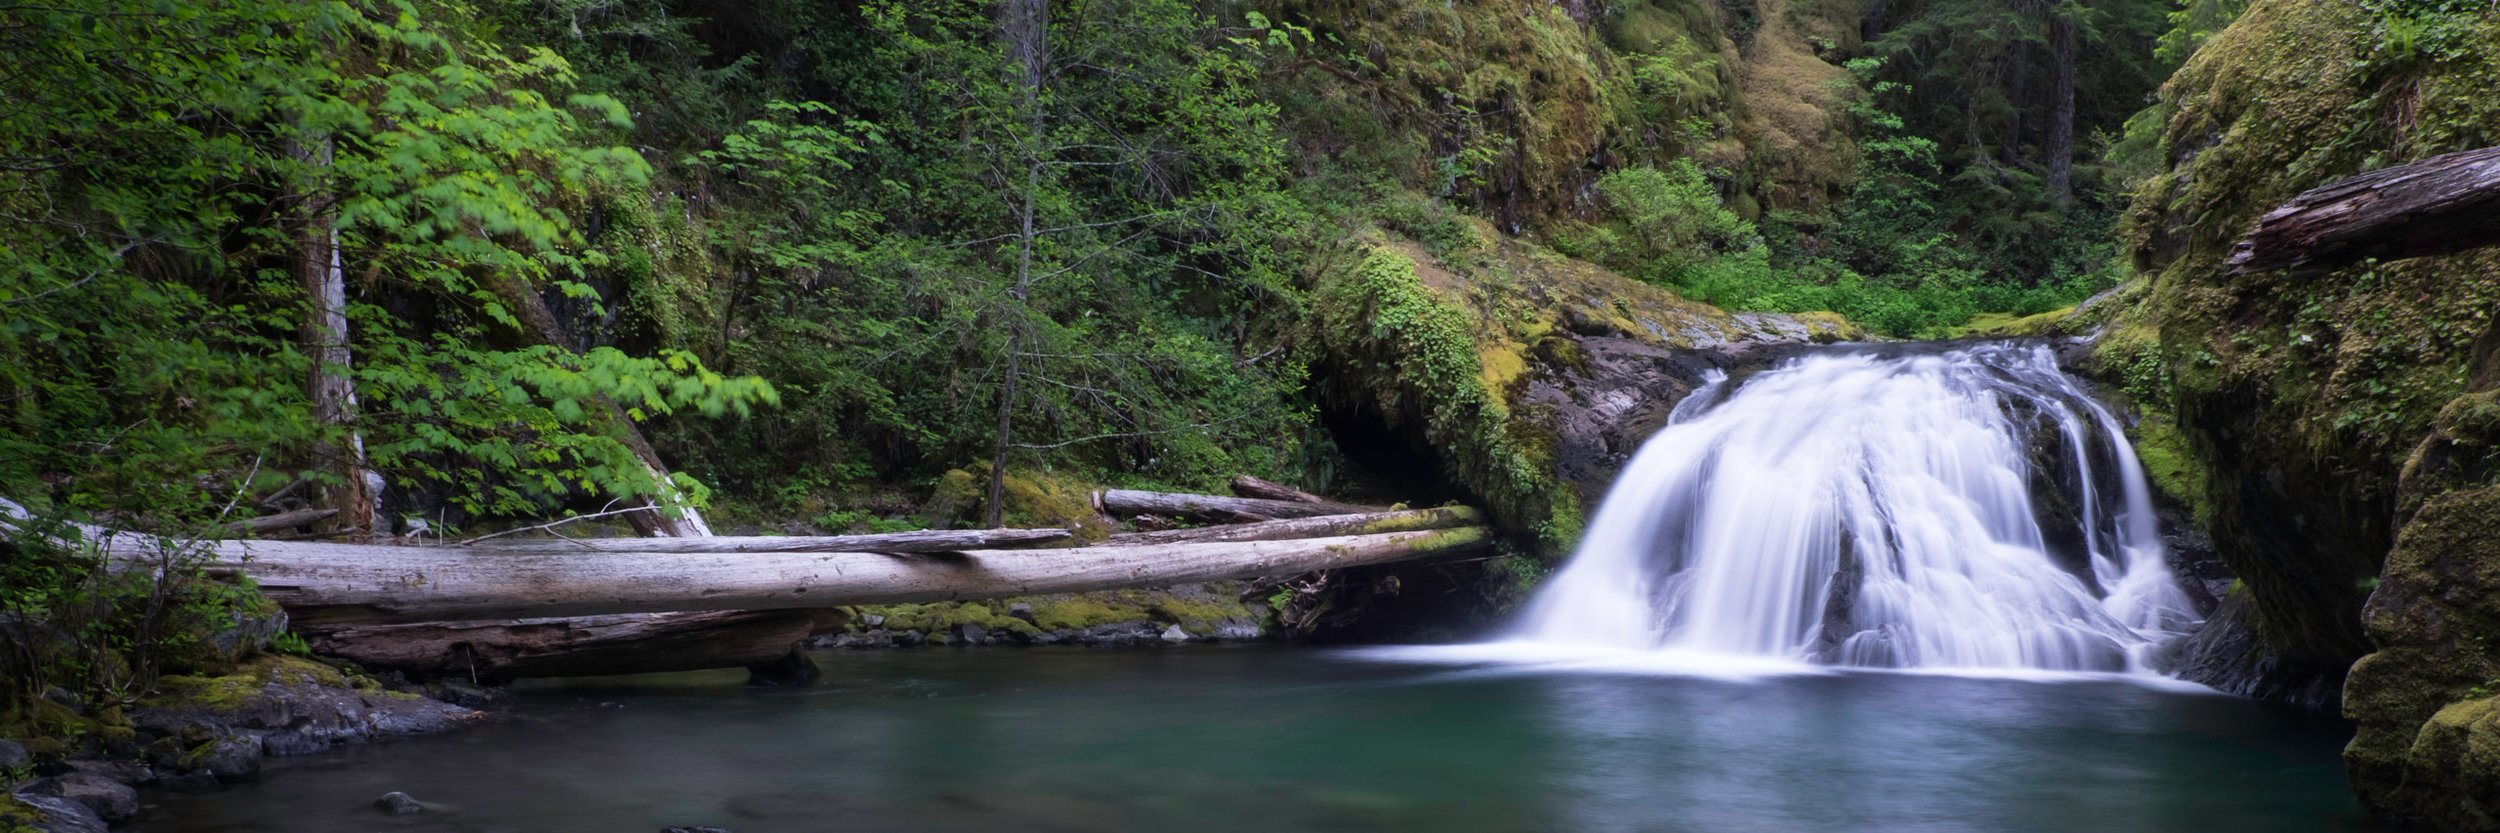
(439, 261)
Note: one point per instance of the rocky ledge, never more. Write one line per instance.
(202, 732)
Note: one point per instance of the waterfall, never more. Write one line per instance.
(1965, 508)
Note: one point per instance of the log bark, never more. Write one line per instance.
(926, 540)
(1324, 526)
(1247, 486)
(283, 520)
(1216, 507)
(2439, 205)
(327, 586)
(495, 651)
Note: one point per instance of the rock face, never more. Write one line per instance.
(1523, 378)
(2343, 422)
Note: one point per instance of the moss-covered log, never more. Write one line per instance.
(2447, 203)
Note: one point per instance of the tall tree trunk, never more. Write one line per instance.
(2060, 144)
(1023, 24)
(2017, 88)
(332, 393)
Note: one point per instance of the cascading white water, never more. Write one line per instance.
(1853, 507)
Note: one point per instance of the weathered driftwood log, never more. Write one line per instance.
(283, 520)
(325, 586)
(1324, 526)
(502, 649)
(926, 540)
(1247, 486)
(1215, 507)
(2436, 206)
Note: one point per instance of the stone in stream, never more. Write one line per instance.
(110, 800)
(1174, 634)
(55, 814)
(232, 758)
(398, 804)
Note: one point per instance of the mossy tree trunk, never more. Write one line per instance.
(318, 269)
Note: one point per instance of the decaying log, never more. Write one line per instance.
(1320, 527)
(499, 650)
(925, 540)
(283, 520)
(1215, 507)
(326, 586)
(2439, 205)
(1247, 486)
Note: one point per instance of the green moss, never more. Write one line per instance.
(2172, 466)
(17, 816)
(233, 691)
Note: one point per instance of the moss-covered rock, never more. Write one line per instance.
(2298, 399)
(2335, 420)
(1213, 611)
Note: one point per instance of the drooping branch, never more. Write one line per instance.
(2439, 205)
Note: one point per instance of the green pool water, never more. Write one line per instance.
(1274, 738)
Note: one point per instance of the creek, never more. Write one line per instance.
(1872, 589)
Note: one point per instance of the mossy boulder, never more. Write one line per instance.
(2296, 400)
(283, 705)
(2336, 424)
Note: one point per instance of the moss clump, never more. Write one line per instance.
(1196, 612)
(2172, 466)
(17, 816)
(231, 691)
(1043, 499)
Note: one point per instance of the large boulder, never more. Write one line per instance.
(2334, 417)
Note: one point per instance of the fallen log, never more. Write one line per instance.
(925, 540)
(1324, 526)
(495, 651)
(1247, 486)
(326, 586)
(283, 520)
(2443, 204)
(1215, 507)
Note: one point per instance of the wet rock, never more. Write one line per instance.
(233, 759)
(189, 782)
(12, 756)
(972, 633)
(694, 830)
(464, 693)
(793, 668)
(1021, 610)
(61, 815)
(1174, 634)
(127, 772)
(110, 800)
(291, 707)
(398, 804)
